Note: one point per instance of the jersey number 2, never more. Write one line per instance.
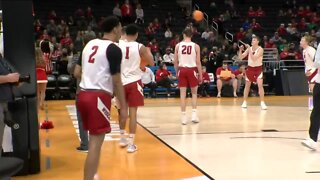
(91, 57)
(186, 49)
(127, 52)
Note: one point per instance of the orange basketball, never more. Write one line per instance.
(197, 15)
(143, 63)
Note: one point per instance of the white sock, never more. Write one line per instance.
(183, 113)
(131, 138)
(122, 132)
(194, 111)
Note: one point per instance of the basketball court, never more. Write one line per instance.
(228, 143)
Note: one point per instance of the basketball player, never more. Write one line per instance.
(101, 63)
(188, 67)
(132, 52)
(254, 71)
(308, 57)
(315, 114)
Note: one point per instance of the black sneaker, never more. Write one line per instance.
(81, 149)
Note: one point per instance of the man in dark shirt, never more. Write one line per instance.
(6, 95)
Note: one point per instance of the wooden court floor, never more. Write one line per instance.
(153, 160)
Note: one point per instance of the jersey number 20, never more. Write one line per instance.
(91, 57)
(186, 49)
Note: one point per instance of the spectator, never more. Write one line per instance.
(62, 27)
(153, 45)
(166, 24)
(89, 13)
(290, 29)
(270, 44)
(302, 25)
(148, 80)
(157, 58)
(276, 38)
(168, 33)
(168, 57)
(281, 13)
(205, 34)
(205, 84)
(290, 13)
(301, 12)
(79, 13)
(93, 24)
(233, 51)
(294, 23)
(292, 52)
(229, 3)
(308, 12)
(226, 15)
(260, 12)
(156, 24)
(251, 12)
(246, 25)
(164, 78)
(282, 30)
(255, 26)
(57, 52)
(117, 11)
(70, 21)
(241, 34)
(225, 75)
(315, 18)
(174, 41)
(150, 31)
(264, 41)
(53, 16)
(52, 28)
(284, 55)
(204, 55)
(139, 15)
(126, 12)
(78, 42)
(215, 59)
(90, 33)
(66, 41)
(240, 75)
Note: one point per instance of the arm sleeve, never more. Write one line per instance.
(114, 56)
(317, 58)
(218, 72)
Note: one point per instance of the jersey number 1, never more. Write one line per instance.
(91, 57)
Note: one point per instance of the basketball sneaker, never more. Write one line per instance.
(194, 117)
(123, 142)
(132, 148)
(82, 149)
(263, 106)
(219, 95)
(184, 120)
(309, 143)
(96, 177)
(244, 104)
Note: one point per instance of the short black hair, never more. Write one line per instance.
(132, 29)
(109, 23)
(225, 62)
(123, 30)
(188, 32)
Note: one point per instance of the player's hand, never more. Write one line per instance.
(123, 113)
(308, 73)
(241, 47)
(200, 78)
(13, 77)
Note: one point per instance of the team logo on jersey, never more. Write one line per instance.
(103, 109)
(140, 89)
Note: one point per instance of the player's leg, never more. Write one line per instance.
(314, 120)
(183, 94)
(84, 141)
(219, 87)
(261, 93)
(246, 93)
(132, 129)
(42, 89)
(235, 86)
(194, 115)
(310, 99)
(93, 157)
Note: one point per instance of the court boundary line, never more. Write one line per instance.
(178, 153)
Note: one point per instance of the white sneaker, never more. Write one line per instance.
(184, 120)
(194, 118)
(219, 95)
(244, 104)
(132, 148)
(96, 177)
(309, 143)
(123, 142)
(310, 108)
(263, 106)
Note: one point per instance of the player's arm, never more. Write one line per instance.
(145, 53)
(152, 75)
(317, 58)
(198, 62)
(257, 55)
(242, 54)
(176, 60)
(114, 56)
(77, 69)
